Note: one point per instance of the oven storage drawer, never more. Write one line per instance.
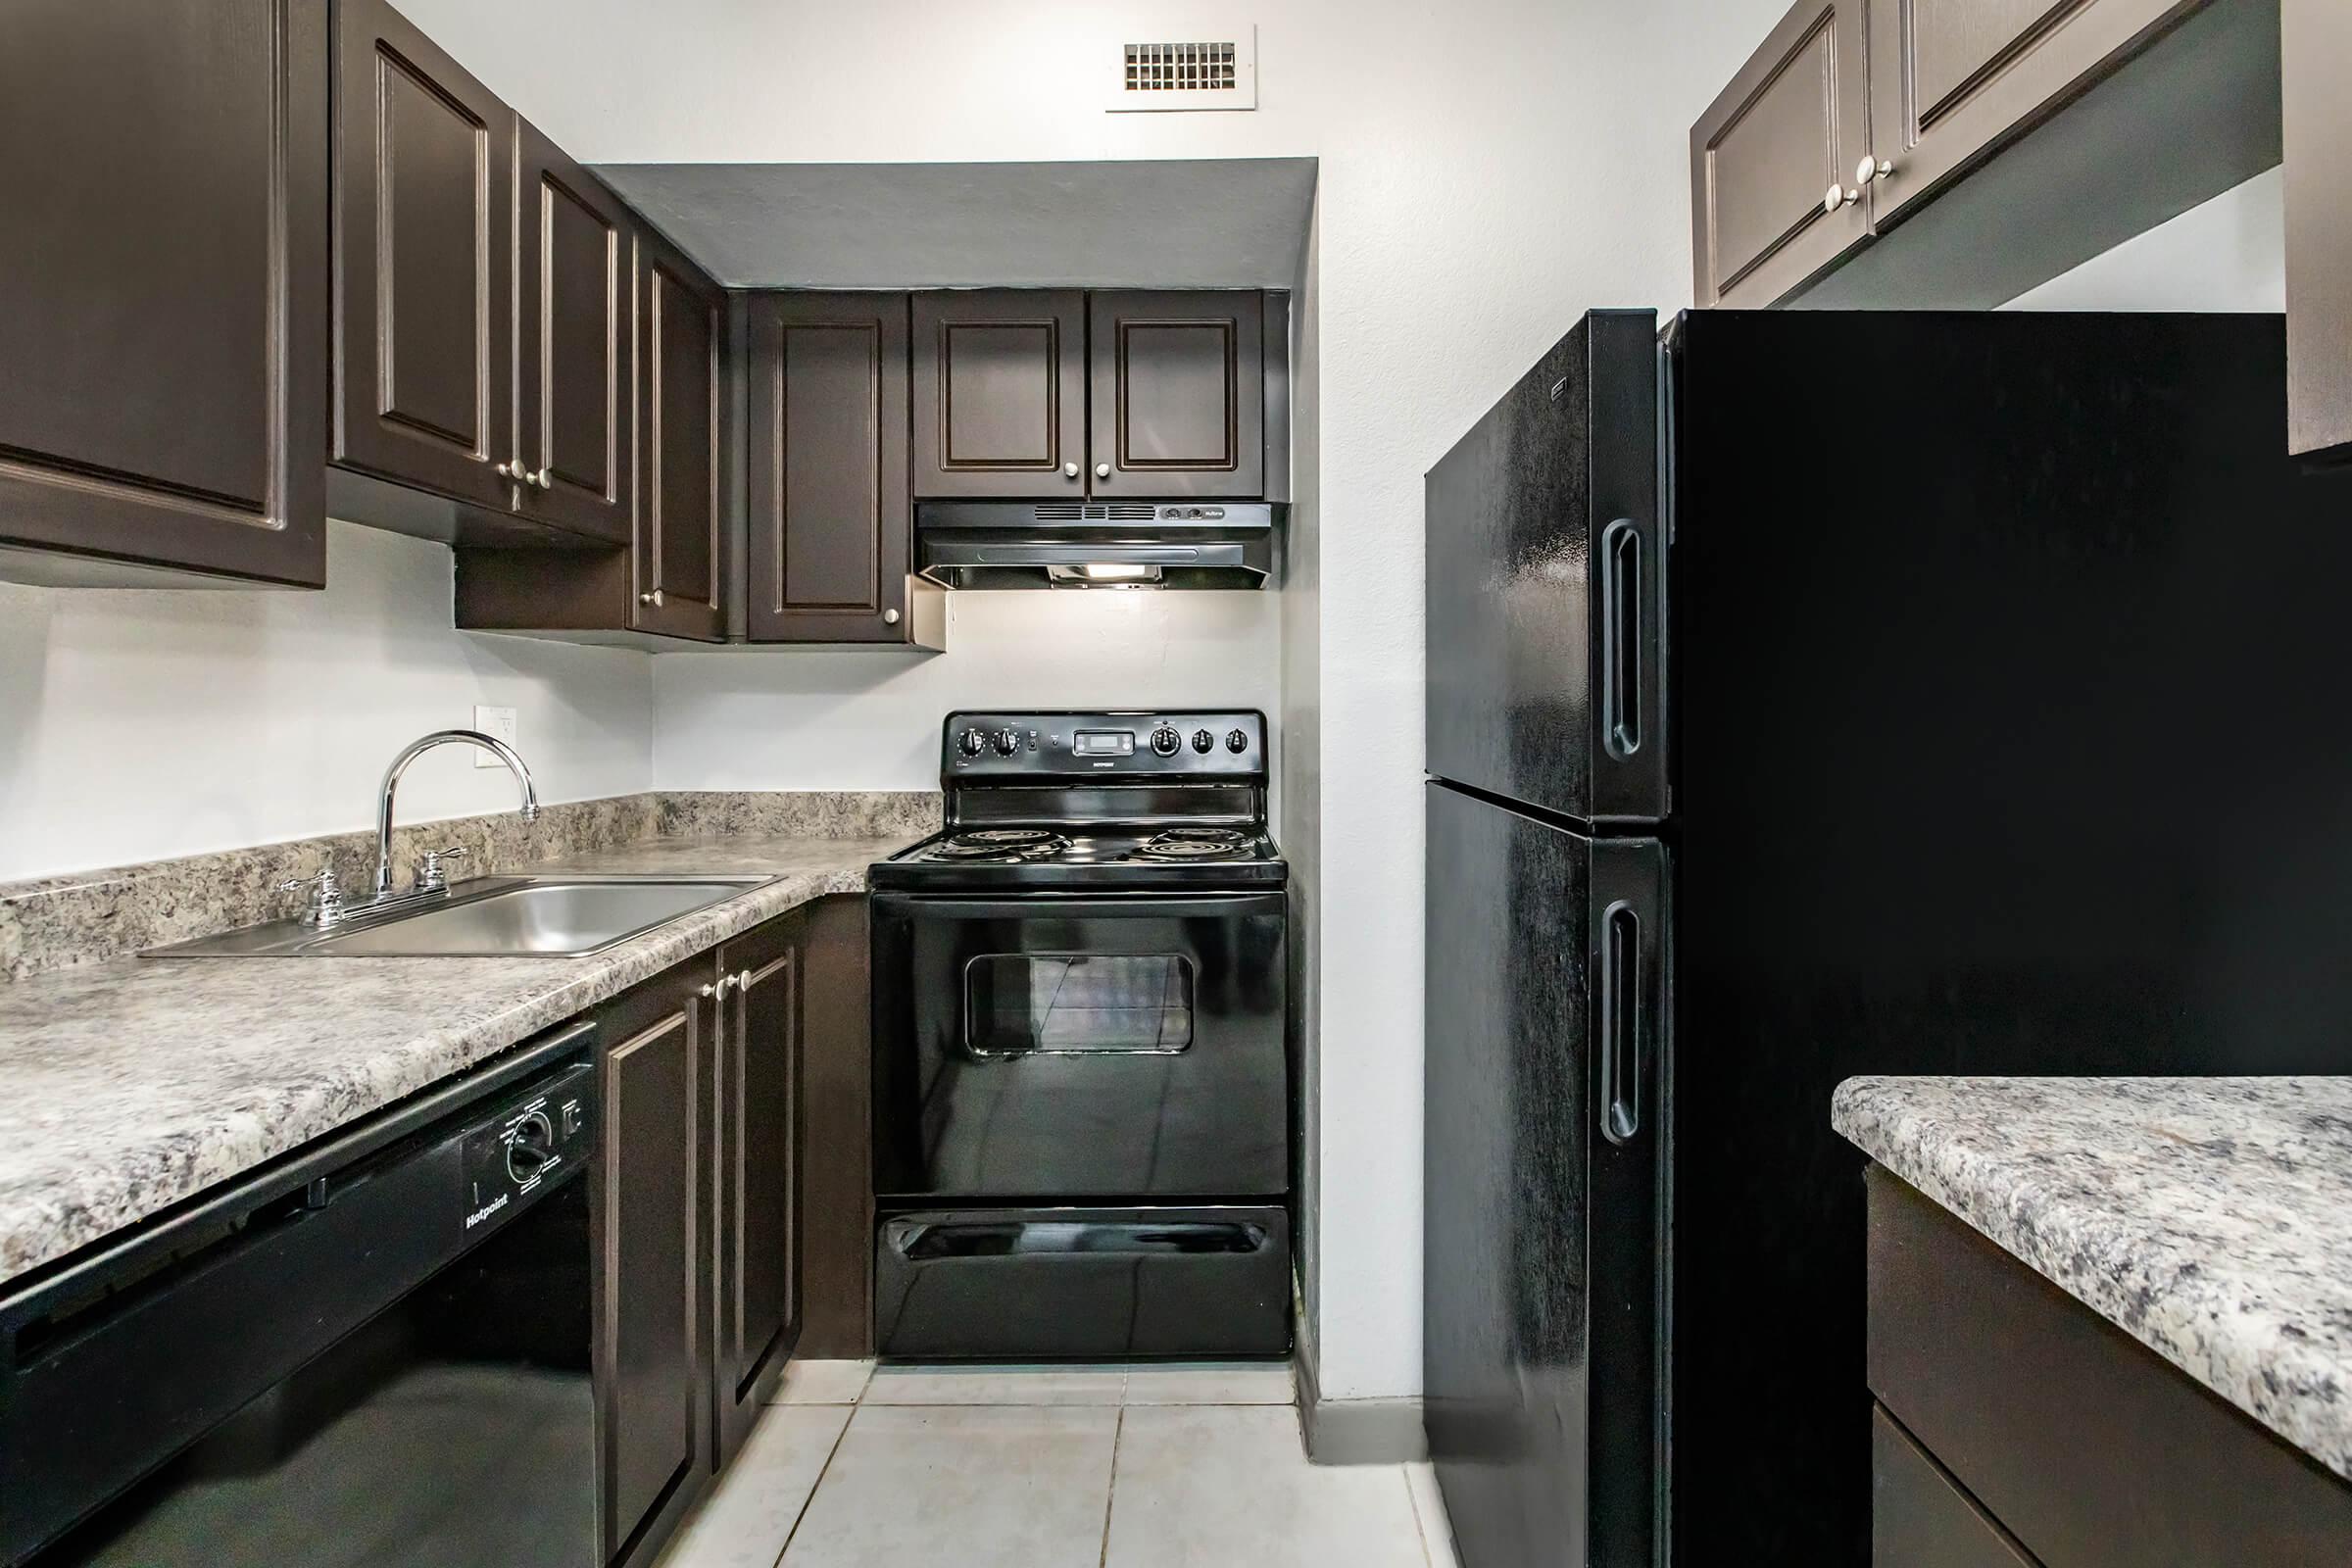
(1042, 1283)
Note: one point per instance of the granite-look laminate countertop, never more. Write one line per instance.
(128, 1086)
(2210, 1218)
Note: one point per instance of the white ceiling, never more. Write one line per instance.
(1220, 222)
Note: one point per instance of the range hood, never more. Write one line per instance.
(1095, 544)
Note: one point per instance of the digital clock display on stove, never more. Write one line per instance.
(1102, 743)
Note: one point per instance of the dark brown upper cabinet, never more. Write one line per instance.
(1000, 394)
(164, 258)
(1176, 394)
(1950, 82)
(573, 256)
(1772, 198)
(2317, 51)
(681, 318)
(423, 239)
(671, 580)
(757, 1160)
(831, 529)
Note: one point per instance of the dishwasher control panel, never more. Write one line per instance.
(533, 1139)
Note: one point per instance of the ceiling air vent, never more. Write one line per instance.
(1215, 73)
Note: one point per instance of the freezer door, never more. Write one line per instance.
(1547, 585)
(1548, 1049)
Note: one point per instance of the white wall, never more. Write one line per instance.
(2225, 254)
(787, 718)
(1488, 171)
(140, 725)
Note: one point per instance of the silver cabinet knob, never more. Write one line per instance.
(890, 618)
(542, 480)
(742, 981)
(1069, 471)
(510, 471)
(1870, 168)
(654, 599)
(1101, 470)
(726, 983)
(708, 992)
(1840, 196)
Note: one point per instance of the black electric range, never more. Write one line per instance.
(1082, 1088)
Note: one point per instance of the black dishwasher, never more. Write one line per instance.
(376, 1355)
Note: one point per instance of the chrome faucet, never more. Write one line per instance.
(408, 753)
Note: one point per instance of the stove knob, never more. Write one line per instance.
(971, 743)
(1235, 741)
(1165, 740)
(1203, 740)
(1008, 741)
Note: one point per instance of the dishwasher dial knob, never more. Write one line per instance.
(1008, 741)
(1235, 741)
(1203, 740)
(971, 743)
(532, 1148)
(1165, 740)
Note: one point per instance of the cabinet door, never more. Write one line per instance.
(423, 237)
(831, 535)
(1766, 154)
(681, 321)
(652, 1354)
(758, 1148)
(1000, 394)
(164, 260)
(572, 342)
(2317, 51)
(1951, 81)
(1176, 390)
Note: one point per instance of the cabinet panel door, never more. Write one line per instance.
(831, 535)
(1000, 394)
(572, 342)
(163, 255)
(651, 1352)
(1176, 392)
(424, 215)
(1953, 80)
(1792, 124)
(2317, 51)
(681, 321)
(759, 1165)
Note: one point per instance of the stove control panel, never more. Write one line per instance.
(1153, 744)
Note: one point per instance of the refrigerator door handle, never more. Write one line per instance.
(1621, 981)
(1621, 638)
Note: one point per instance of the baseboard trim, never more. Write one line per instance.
(1354, 1431)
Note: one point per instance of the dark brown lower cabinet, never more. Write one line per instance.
(757, 1163)
(652, 1348)
(163, 258)
(2012, 1418)
(699, 1205)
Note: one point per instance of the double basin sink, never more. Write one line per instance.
(488, 917)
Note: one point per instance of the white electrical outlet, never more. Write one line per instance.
(497, 723)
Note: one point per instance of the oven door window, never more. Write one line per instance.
(1077, 1005)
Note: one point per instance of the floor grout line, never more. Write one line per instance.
(822, 1471)
(1110, 1493)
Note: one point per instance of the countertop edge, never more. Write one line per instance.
(44, 1223)
(2292, 1391)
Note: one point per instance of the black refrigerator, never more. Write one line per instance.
(1814, 694)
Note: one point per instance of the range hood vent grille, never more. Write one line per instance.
(1096, 511)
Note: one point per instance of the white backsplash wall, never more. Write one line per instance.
(802, 718)
(136, 725)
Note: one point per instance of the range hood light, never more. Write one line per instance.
(1104, 575)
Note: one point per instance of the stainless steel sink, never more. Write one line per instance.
(539, 916)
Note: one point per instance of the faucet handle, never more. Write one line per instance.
(326, 899)
(434, 877)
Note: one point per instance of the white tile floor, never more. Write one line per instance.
(1041, 1467)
